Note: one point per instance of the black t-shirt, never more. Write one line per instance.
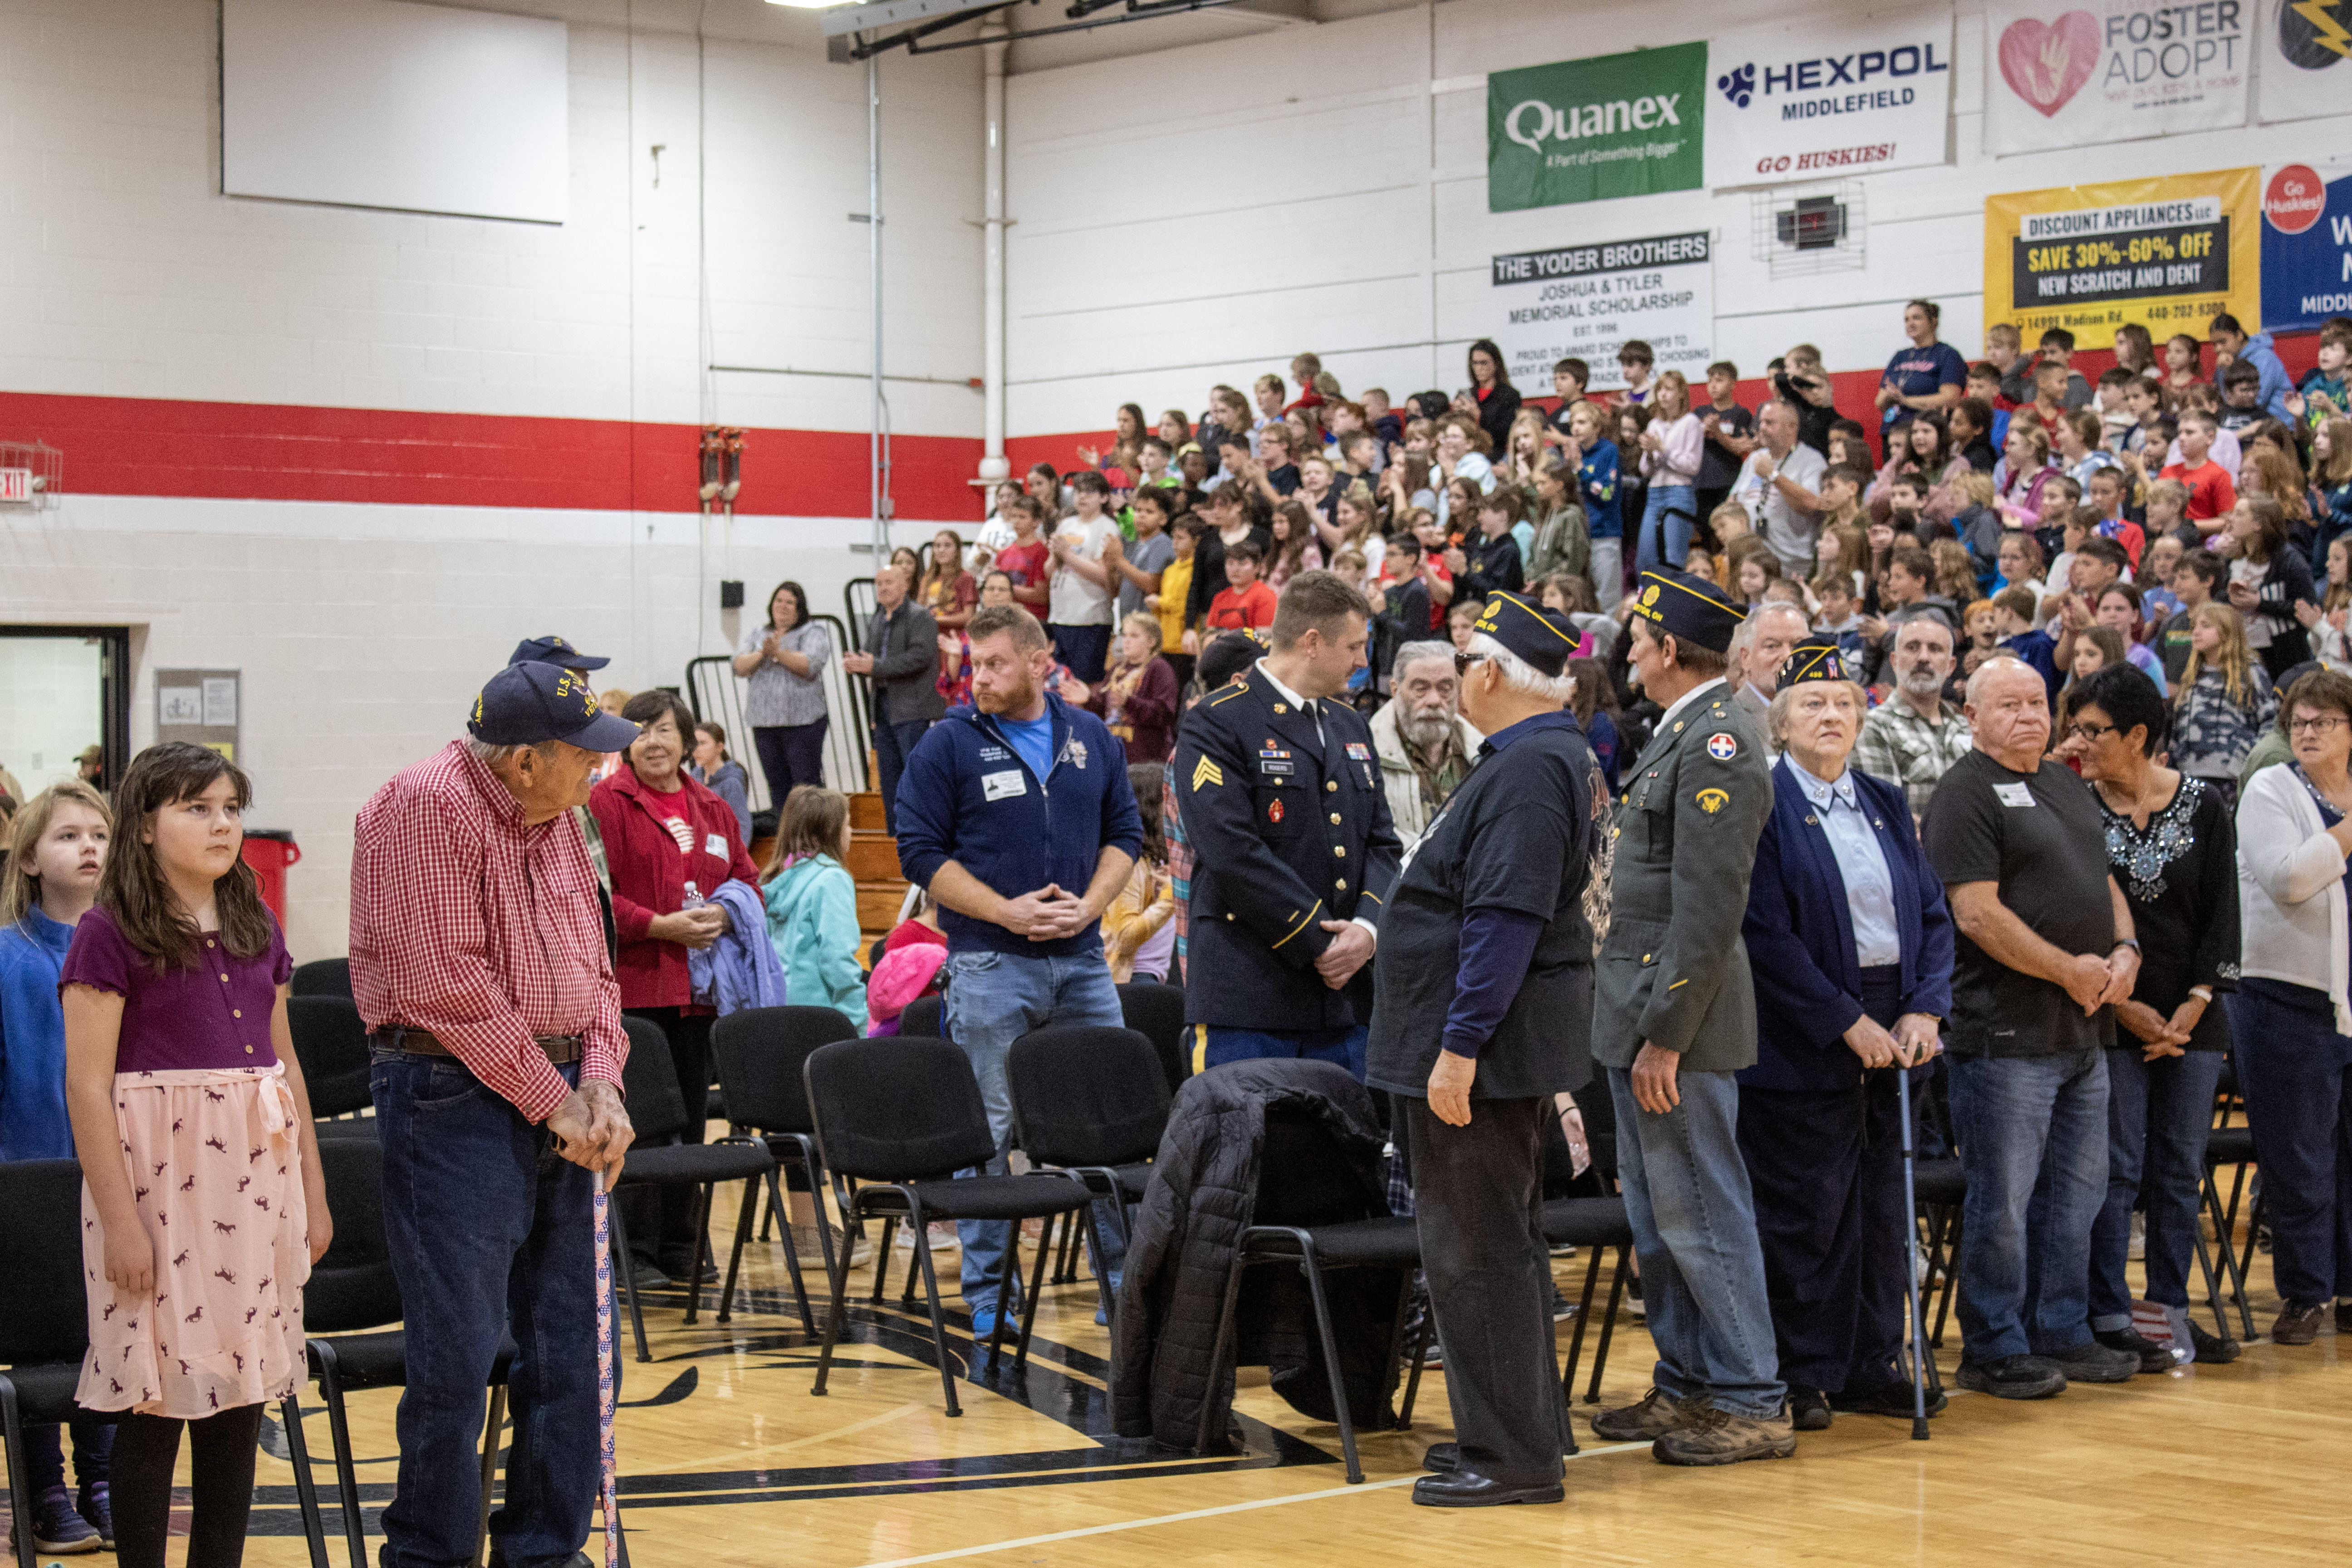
(2173, 644)
(1517, 835)
(1718, 466)
(2179, 874)
(2040, 837)
(1283, 478)
(1813, 422)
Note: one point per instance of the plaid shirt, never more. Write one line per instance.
(1901, 747)
(1179, 868)
(483, 931)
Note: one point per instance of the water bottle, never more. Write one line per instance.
(693, 896)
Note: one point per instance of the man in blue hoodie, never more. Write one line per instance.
(1016, 813)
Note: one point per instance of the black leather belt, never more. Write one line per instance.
(561, 1049)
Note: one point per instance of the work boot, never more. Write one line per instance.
(1715, 1437)
(2091, 1362)
(2013, 1377)
(2298, 1323)
(1808, 1409)
(1656, 1414)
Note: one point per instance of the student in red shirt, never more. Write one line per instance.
(2212, 496)
(1025, 560)
(1247, 604)
(2107, 497)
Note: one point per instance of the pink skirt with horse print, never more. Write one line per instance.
(216, 1175)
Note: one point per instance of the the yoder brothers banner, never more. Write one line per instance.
(2307, 247)
(1807, 101)
(2306, 51)
(2167, 253)
(1583, 301)
(1584, 130)
(2112, 70)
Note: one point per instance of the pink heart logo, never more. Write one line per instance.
(2046, 64)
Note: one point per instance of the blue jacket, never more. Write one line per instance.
(33, 1125)
(739, 970)
(813, 926)
(966, 797)
(1799, 937)
(2271, 395)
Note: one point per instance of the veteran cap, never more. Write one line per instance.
(1688, 608)
(1544, 638)
(527, 704)
(553, 651)
(1815, 659)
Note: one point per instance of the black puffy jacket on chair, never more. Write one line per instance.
(1204, 1192)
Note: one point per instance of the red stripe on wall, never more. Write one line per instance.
(157, 446)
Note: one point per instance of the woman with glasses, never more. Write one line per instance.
(2291, 1018)
(2173, 851)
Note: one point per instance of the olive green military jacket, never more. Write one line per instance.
(1674, 969)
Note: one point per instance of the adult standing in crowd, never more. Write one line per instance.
(1425, 746)
(1485, 985)
(1914, 735)
(1851, 947)
(1765, 639)
(901, 656)
(1673, 1019)
(2045, 949)
(669, 841)
(1928, 377)
(1490, 399)
(1020, 890)
(1292, 845)
(1779, 485)
(783, 661)
(560, 653)
(479, 964)
(2173, 850)
(2291, 1016)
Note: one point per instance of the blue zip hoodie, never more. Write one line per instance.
(968, 797)
(33, 1125)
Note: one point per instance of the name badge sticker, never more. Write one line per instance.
(1004, 786)
(2014, 795)
(715, 845)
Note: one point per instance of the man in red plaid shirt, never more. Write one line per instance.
(478, 962)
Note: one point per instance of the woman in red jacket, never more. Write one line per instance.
(665, 833)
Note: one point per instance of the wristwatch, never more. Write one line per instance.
(2130, 942)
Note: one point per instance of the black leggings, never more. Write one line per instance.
(221, 1461)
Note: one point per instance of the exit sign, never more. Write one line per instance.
(17, 484)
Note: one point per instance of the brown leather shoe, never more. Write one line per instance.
(2298, 1323)
(1656, 1414)
(1716, 1436)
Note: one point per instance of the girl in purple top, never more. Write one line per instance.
(197, 1238)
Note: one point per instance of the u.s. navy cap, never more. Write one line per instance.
(527, 704)
(553, 651)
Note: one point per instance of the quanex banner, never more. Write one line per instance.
(1583, 301)
(1801, 100)
(1583, 131)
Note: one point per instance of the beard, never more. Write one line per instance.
(1007, 699)
(1426, 729)
(1922, 681)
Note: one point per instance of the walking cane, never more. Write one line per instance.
(1910, 1270)
(615, 1554)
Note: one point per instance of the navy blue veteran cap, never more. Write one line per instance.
(1690, 608)
(524, 704)
(1543, 638)
(553, 651)
(1815, 659)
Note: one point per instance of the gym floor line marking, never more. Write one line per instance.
(1197, 1513)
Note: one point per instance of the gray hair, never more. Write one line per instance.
(1413, 653)
(1776, 717)
(489, 756)
(1522, 677)
(2002, 661)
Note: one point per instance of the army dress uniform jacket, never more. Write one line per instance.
(1674, 969)
(1287, 831)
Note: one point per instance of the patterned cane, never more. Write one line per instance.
(604, 1380)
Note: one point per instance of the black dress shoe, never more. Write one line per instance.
(1468, 1488)
(1443, 1458)
(1887, 1400)
(1809, 1409)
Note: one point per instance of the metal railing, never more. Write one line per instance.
(715, 691)
(857, 600)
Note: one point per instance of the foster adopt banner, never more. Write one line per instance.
(1807, 101)
(2167, 252)
(2306, 47)
(1584, 130)
(1583, 301)
(2114, 70)
(2306, 247)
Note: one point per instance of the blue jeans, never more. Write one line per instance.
(1345, 1047)
(1667, 537)
(893, 744)
(489, 1234)
(2034, 1142)
(1693, 1222)
(2158, 1115)
(2297, 1073)
(993, 1000)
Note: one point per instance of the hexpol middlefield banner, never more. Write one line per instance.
(1584, 130)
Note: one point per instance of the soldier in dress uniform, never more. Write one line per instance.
(1293, 851)
(1674, 1018)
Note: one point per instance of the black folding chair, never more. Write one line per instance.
(661, 1158)
(330, 1045)
(1597, 1225)
(1090, 1101)
(1309, 1214)
(1156, 1011)
(903, 1114)
(925, 1018)
(1940, 1188)
(352, 1287)
(322, 978)
(759, 1052)
(2230, 1146)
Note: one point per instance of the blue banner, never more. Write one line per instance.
(2306, 255)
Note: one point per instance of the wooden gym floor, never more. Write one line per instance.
(727, 1460)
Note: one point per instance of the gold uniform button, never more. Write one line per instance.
(1229, 917)
(1645, 957)
(236, 1012)
(1341, 884)
(1332, 784)
(1678, 727)
(1339, 850)
(1279, 708)
(1335, 823)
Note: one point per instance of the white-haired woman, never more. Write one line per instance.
(1851, 947)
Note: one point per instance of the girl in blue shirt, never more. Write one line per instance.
(1596, 485)
(812, 904)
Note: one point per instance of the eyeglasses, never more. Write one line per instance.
(1462, 662)
(2090, 731)
(2319, 725)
